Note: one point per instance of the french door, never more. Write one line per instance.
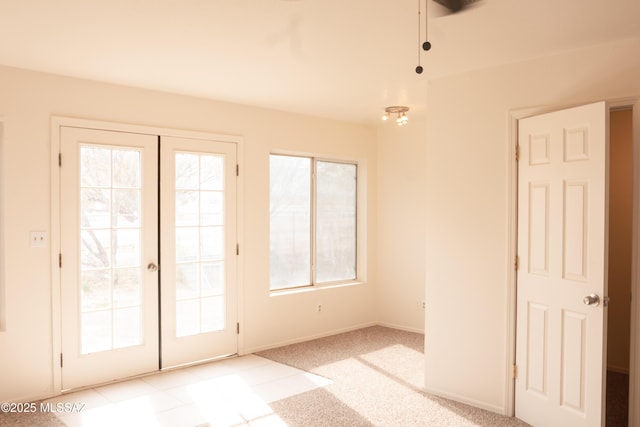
(199, 250)
(113, 230)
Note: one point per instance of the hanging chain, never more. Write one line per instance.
(426, 45)
(419, 68)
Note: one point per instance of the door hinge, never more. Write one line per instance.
(59, 159)
(517, 152)
(60, 260)
(514, 372)
(237, 170)
(517, 263)
(237, 248)
(61, 361)
(238, 328)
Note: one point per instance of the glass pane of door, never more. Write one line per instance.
(110, 242)
(199, 242)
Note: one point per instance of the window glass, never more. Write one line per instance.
(290, 224)
(312, 221)
(335, 221)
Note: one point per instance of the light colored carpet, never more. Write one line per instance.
(378, 376)
(36, 419)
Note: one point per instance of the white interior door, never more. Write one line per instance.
(198, 229)
(108, 240)
(560, 344)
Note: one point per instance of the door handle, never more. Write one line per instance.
(591, 299)
(152, 267)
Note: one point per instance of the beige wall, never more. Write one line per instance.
(27, 102)
(620, 237)
(469, 199)
(401, 172)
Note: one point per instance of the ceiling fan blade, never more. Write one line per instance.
(457, 5)
(452, 5)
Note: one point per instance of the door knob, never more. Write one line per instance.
(153, 267)
(591, 299)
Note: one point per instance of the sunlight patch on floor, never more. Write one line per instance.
(231, 392)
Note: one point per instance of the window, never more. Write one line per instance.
(312, 221)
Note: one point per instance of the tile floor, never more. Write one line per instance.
(230, 392)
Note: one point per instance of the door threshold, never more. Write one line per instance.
(151, 373)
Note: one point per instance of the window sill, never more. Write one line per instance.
(313, 288)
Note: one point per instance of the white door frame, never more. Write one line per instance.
(59, 121)
(634, 367)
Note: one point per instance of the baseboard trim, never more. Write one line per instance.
(251, 350)
(243, 352)
(400, 327)
(618, 370)
(476, 403)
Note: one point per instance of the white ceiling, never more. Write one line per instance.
(345, 59)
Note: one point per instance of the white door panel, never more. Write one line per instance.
(108, 237)
(198, 228)
(561, 247)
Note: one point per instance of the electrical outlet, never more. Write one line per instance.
(319, 308)
(38, 239)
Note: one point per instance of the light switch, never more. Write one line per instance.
(39, 239)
